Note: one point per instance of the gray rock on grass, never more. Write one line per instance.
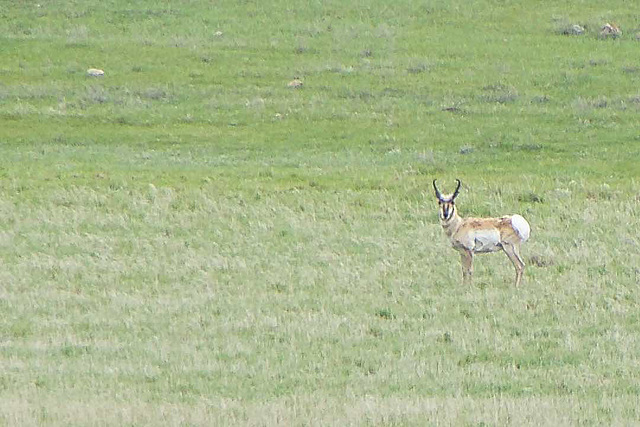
(573, 30)
(95, 72)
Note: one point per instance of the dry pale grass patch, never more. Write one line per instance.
(187, 306)
(320, 411)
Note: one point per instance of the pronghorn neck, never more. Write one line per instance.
(452, 224)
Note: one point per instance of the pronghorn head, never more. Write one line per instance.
(447, 207)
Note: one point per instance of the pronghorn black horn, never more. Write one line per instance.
(438, 195)
(455, 193)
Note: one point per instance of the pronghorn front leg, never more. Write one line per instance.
(513, 253)
(466, 257)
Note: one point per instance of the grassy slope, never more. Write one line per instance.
(187, 240)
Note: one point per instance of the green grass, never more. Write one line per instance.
(189, 241)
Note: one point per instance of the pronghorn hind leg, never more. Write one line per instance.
(513, 252)
(466, 257)
(516, 251)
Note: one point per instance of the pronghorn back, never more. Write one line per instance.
(488, 234)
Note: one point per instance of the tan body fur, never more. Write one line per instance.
(470, 236)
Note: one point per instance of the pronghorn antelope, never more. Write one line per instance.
(471, 236)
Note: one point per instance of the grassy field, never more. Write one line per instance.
(189, 241)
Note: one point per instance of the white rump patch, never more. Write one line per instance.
(521, 227)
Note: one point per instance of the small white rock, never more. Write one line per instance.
(296, 83)
(95, 72)
(610, 30)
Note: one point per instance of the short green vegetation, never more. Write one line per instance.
(189, 240)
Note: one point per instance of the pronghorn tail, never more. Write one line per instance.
(521, 227)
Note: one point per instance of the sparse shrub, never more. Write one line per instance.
(540, 99)
(385, 313)
(529, 147)
(446, 338)
(540, 261)
(499, 93)
(153, 94)
(95, 95)
(418, 68)
(77, 36)
(530, 197)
